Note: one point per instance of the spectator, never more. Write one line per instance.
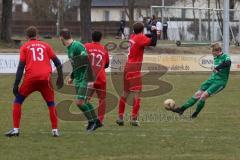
(159, 29)
(165, 30)
(152, 23)
(122, 25)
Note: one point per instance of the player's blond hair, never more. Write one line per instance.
(216, 46)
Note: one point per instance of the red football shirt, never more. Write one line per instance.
(99, 58)
(137, 43)
(37, 55)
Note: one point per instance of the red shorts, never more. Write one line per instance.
(42, 86)
(132, 78)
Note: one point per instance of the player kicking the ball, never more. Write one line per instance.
(132, 72)
(35, 58)
(81, 76)
(216, 82)
(100, 61)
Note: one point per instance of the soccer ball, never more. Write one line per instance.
(169, 104)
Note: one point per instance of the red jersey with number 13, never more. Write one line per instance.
(99, 58)
(37, 55)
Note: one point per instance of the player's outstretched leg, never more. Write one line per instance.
(200, 104)
(16, 113)
(190, 102)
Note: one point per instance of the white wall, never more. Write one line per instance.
(115, 14)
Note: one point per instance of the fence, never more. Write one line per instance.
(197, 24)
(49, 27)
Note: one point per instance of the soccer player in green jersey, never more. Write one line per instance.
(81, 77)
(216, 82)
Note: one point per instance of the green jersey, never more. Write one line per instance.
(223, 74)
(75, 53)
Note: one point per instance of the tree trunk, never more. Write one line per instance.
(209, 21)
(6, 21)
(231, 6)
(219, 15)
(196, 32)
(131, 4)
(85, 14)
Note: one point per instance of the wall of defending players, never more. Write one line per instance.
(174, 63)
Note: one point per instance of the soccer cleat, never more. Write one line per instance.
(90, 124)
(180, 111)
(97, 124)
(120, 122)
(194, 115)
(55, 133)
(13, 133)
(135, 123)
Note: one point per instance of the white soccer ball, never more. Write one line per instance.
(169, 104)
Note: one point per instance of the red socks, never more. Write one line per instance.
(136, 107)
(101, 109)
(16, 115)
(121, 108)
(53, 117)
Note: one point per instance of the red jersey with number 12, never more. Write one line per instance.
(37, 55)
(99, 58)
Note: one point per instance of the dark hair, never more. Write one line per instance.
(65, 33)
(138, 27)
(96, 36)
(31, 32)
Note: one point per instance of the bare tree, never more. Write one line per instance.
(85, 14)
(209, 20)
(195, 21)
(42, 9)
(6, 20)
(219, 15)
(129, 6)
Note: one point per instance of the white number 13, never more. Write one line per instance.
(37, 54)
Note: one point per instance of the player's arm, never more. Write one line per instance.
(83, 60)
(223, 65)
(20, 70)
(107, 59)
(153, 38)
(58, 66)
(90, 76)
(19, 75)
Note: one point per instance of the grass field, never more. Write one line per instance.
(213, 136)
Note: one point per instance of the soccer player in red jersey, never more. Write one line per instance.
(99, 58)
(132, 71)
(35, 58)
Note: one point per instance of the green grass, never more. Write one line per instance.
(213, 136)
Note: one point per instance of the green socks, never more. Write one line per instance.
(85, 110)
(200, 105)
(92, 111)
(189, 103)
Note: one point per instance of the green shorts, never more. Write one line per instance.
(81, 90)
(212, 87)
